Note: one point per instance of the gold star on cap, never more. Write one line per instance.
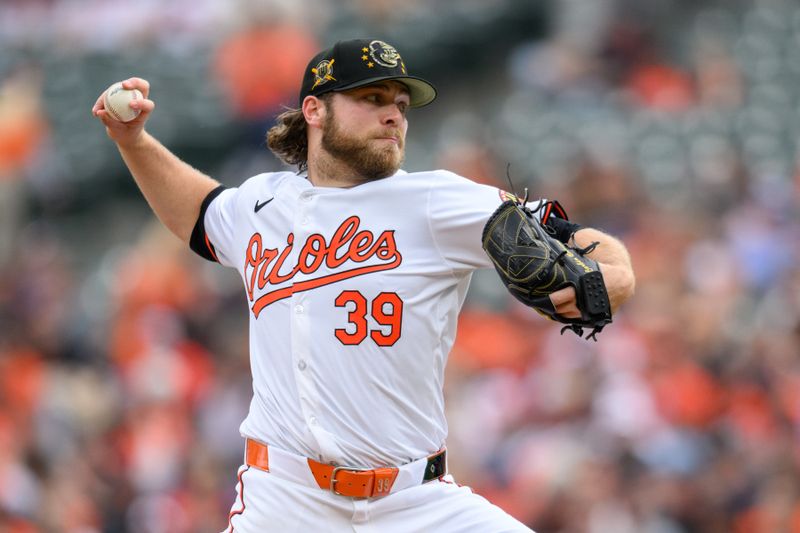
(365, 57)
(365, 49)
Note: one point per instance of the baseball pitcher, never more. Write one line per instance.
(354, 273)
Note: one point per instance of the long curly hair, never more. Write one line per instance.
(288, 138)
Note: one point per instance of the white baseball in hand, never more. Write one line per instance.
(116, 101)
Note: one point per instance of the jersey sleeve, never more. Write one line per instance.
(459, 209)
(213, 234)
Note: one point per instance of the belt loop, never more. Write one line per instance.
(257, 455)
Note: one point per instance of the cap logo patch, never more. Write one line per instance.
(384, 54)
(323, 73)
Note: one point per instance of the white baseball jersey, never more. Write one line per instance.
(353, 299)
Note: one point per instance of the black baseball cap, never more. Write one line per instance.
(359, 62)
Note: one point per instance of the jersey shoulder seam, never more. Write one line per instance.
(429, 221)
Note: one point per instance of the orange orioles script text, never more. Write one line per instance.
(264, 266)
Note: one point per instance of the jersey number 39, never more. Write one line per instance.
(386, 310)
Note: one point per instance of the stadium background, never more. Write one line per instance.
(672, 124)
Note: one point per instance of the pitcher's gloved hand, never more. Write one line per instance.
(532, 264)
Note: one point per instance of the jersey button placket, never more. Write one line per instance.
(303, 216)
(301, 353)
(301, 329)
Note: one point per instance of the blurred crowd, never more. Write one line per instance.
(124, 368)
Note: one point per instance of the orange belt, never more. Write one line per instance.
(347, 481)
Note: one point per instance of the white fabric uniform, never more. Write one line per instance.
(354, 296)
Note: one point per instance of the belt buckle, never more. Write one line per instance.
(334, 480)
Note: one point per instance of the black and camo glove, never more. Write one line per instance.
(533, 264)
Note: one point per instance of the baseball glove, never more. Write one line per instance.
(532, 264)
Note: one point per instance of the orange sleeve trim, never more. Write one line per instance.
(211, 249)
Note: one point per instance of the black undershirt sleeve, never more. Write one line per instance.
(199, 241)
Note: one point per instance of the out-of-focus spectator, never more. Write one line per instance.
(260, 67)
(23, 125)
(718, 78)
(23, 130)
(653, 81)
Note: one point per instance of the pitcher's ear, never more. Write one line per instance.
(314, 110)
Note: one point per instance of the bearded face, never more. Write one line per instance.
(368, 155)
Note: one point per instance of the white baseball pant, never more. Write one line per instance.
(287, 499)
